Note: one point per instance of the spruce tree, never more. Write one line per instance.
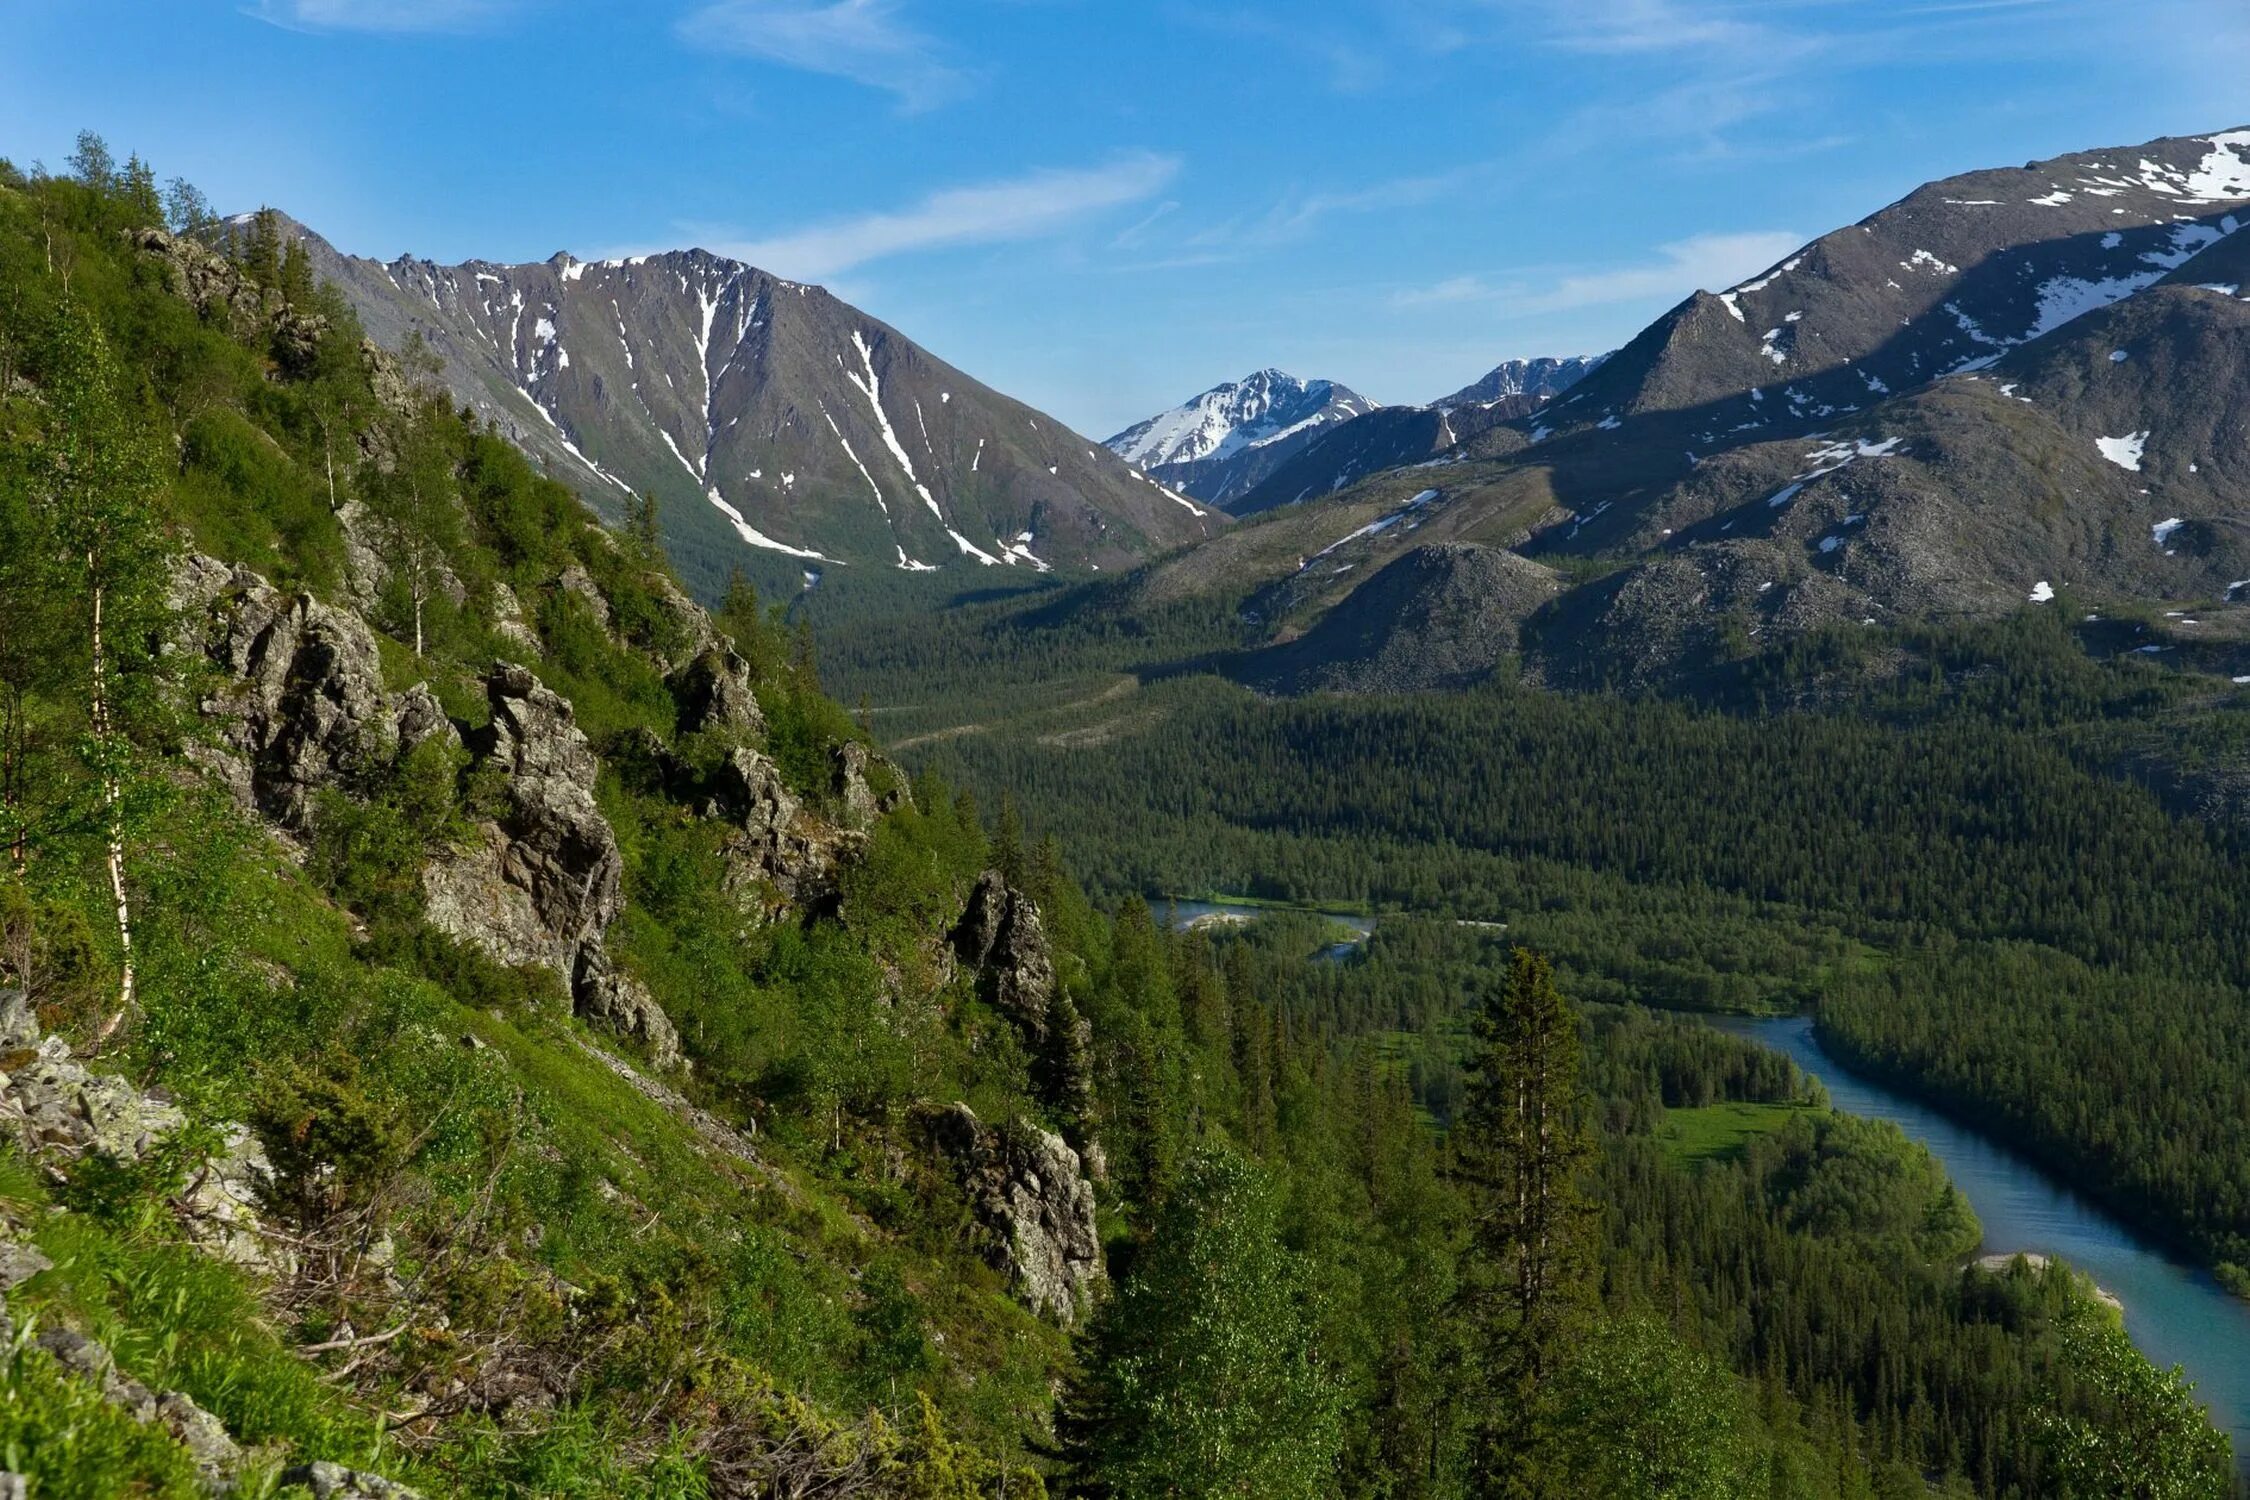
(1523, 1154)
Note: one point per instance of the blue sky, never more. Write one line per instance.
(1104, 206)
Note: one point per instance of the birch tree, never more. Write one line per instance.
(97, 478)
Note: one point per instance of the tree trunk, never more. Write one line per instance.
(114, 818)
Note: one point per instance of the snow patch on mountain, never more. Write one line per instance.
(1262, 409)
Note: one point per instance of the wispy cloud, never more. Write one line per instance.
(1704, 261)
(866, 41)
(1034, 206)
(398, 16)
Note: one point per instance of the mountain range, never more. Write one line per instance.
(2013, 387)
(773, 422)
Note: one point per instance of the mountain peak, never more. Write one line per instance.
(1223, 441)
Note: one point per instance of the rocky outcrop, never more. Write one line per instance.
(302, 703)
(775, 863)
(714, 694)
(1029, 1191)
(544, 881)
(508, 622)
(624, 1005)
(857, 801)
(1000, 936)
(56, 1109)
(545, 878)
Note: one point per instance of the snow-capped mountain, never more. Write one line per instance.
(2008, 389)
(1540, 379)
(774, 423)
(1221, 444)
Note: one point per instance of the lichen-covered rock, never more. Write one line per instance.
(419, 718)
(546, 879)
(775, 863)
(305, 702)
(714, 694)
(329, 1481)
(1029, 1191)
(209, 1446)
(53, 1106)
(1001, 936)
(579, 584)
(855, 796)
(622, 1003)
(508, 622)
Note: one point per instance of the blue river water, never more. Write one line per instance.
(2177, 1314)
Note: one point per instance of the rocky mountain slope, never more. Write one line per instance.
(1390, 437)
(1542, 379)
(1220, 445)
(2010, 386)
(769, 418)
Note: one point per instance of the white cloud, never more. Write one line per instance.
(862, 40)
(1706, 261)
(1022, 208)
(380, 15)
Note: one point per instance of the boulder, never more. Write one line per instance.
(53, 1106)
(1029, 1191)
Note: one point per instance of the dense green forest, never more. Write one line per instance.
(1943, 838)
(1463, 1231)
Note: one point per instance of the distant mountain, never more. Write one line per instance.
(1540, 379)
(2007, 389)
(772, 421)
(1323, 458)
(1221, 444)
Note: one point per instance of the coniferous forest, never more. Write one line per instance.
(693, 1160)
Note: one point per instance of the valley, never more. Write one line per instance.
(592, 846)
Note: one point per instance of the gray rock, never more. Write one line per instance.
(215, 1453)
(508, 622)
(1029, 1191)
(329, 1481)
(714, 693)
(547, 878)
(624, 1005)
(858, 802)
(1001, 936)
(52, 1106)
(579, 584)
(14, 1487)
(19, 1263)
(780, 859)
(306, 704)
(419, 718)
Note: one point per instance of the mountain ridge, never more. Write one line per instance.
(776, 423)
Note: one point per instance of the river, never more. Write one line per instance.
(1191, 913)
(2176, 1313)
